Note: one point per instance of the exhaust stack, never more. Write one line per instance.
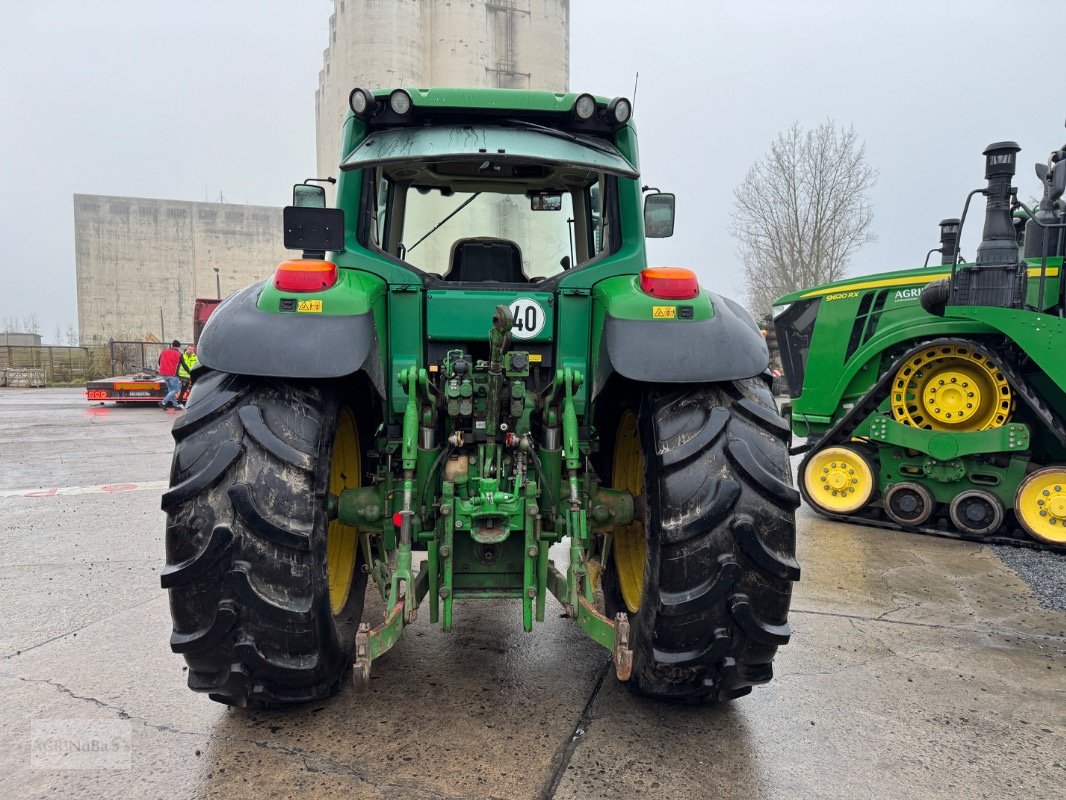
(949, 241)
(998, 277)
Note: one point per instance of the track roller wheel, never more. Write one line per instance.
(976, 512)
(840, 480)
(951, 387)
(909, 504)
(1040, 505)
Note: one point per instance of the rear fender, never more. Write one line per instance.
(247, 335)
(649, 340)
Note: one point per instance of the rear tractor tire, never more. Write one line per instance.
(707, 576)
(266, 594)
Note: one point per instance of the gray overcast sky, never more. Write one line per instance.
(189, 99)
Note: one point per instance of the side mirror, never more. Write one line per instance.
(307, 195)
(659, 215)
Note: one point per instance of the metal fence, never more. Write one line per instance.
(24, 365)
(128, 358)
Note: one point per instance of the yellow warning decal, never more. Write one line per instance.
(664, 312)
(309, 306)
(535, 358)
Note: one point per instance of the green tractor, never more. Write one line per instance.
(482, 369)
(932, 399)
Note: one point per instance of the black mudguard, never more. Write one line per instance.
(240, 338)
(726, 347)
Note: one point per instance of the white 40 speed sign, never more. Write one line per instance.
(528, 318)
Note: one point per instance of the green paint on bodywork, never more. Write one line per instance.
(944, 445)
(355, 292)
(461, 315)
(621, 298)
(844, 361)
(1040, 336)
(945, 479)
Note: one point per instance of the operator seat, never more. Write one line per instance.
(485, 258)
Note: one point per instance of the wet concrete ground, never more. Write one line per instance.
(918, 668)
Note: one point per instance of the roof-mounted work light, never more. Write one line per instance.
(400, 102)
(619, 111)
(361, 102)
(584, 107)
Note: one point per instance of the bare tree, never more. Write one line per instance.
(802, 211)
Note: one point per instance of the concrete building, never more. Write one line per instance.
(508, 44)
(15, 339)
(512, 44)
(141, 262)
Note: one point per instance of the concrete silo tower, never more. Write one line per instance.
(514, 44)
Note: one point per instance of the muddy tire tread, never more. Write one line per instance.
(249, 597)
(721, 543)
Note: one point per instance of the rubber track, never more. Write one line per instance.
(868, 404)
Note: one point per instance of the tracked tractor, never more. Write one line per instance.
(932, 400)
(471, 387)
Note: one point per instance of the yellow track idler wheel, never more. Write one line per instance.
(840, 480)
(951, 388)
(909, 504)
(1040, 505)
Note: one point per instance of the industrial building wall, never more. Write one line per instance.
(137, 258)
(514, 44)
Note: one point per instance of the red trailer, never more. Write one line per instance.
(143, 385)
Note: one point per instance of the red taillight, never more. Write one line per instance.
(305, 275)
(669, 283)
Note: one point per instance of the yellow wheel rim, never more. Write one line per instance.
(839, 480)
(342, 541)
(1040, 505)
(951, 388)
(629, 545)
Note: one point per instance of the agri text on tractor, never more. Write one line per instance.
(933, 399)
